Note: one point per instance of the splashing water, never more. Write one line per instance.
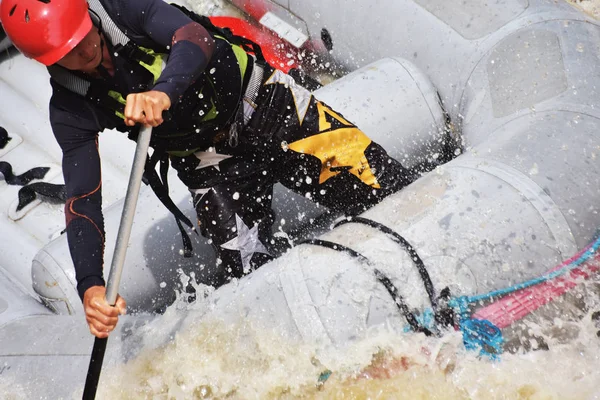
(211, 358)
(11, 390)
(591, 7)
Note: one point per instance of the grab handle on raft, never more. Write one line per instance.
(112, 287)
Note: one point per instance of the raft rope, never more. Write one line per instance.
(463, 303)
(4, 138)
(50, 192)
(477, 333)
(381, 277)
(442, 315)
(6, 171)
(31, 191)
(547, 287)
(406, 245)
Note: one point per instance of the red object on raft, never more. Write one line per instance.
(279, 53)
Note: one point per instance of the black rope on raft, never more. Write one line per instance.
(406, 246)
(32, 191)
(442, 315)
(381, 277)
(11, 178)
(44, 191)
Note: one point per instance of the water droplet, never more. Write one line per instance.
(534, 169)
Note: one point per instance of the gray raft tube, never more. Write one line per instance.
(490, 60)
(391, 100)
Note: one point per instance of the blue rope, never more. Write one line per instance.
(484, 335)
(462, 301)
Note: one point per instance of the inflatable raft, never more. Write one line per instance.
(497, 100)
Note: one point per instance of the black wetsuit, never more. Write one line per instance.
(290, 138)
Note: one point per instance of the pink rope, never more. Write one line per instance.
(515, 306)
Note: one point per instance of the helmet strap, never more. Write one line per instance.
(97, 22)
(101, 48)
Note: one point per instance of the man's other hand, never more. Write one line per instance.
(146, 108)
(100, 316)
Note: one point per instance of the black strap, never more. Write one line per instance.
(48, 191)
(443, 314)
(406, 245)
(381, 277)
(31, 191)
(133, 52)
(393, 291)
(187, 243)
(23, 179)
(98, 94)
(160, 186)
(4, 138)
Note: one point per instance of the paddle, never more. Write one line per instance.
(112, 287)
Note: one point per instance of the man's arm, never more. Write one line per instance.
(78, 139)
(191, 46)
(76, 131)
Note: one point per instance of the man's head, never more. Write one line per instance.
(51, 30)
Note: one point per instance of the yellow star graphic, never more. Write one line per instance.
(339, 149)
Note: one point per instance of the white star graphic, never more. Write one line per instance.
(301, 95)
(210, 158)
(246, 242)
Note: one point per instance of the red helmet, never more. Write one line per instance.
(45, 30)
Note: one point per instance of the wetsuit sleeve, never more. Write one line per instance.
(191, 46)
(77, 135)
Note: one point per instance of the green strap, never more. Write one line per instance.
(157, 65)
(242, 58)
(119, 98)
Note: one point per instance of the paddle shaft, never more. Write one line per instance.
(118, 260)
